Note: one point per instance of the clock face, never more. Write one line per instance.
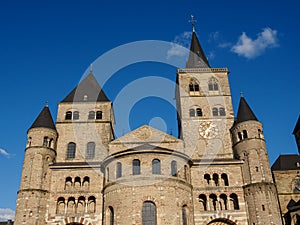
(208, 130)
(297, 185)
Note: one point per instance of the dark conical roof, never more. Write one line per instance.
(44, 119)
(297, 127)
(244, 112)
(88, 90)
(197, 58)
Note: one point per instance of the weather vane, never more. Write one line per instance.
(193, 21)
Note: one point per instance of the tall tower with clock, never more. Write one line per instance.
(205, 116)
(204, 106)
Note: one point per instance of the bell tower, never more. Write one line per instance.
(204, 106)
(40, 153)
(249, 146)
(85, 122)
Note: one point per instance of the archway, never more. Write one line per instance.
(221, 221)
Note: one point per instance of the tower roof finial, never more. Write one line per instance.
(91, 67)
(47, 103)
(193, 21)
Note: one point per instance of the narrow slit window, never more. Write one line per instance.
(68, 115)
(91, 115)
(76, 115)
(99, 115)
(199, 112)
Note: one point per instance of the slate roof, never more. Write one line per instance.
(297, 127)
(197, 58)
(88, 90)
(244, 112)
(286, 162)
(44, 119)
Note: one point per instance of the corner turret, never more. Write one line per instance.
(259, 188)
(40, 152)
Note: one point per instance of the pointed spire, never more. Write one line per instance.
(197, 58)
(244, 112)
(44, 119)
(297, 127)
(88, 90)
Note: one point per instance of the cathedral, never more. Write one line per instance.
(216, 172)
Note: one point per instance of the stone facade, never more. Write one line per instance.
(216, 172)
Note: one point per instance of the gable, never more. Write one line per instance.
(146, 136)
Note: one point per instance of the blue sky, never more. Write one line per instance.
(46, 47)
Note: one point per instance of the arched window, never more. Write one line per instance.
(193, 86)
(99, 115)
(81, 205)
(111, 215)
(203, 201)
(60, 207)
(234, 202)
(224, 177)
(46, 141)
(90, 150)
(71, 151)
(245, 134)
(213, 85)
(216, 179)
(240, 136)
(196, 112)
(199, 112)
(119, 170)
(213, 201)
(68, 183)
(215, 111)
(91, 115)
(155, 166)
(192, 112)
(218, 111)
(77, 182)
(148, 213)
(222, 111)
(223, 203)
(174, 168)
(71, 205)
(86, 182)
(207, 178)
(91, 204)
(76, 115)
(68, 115)
(184, 215)
(136, 167)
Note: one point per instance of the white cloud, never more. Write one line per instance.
(6, 214)
(180, 45)
(5, 153)
(250, 48)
